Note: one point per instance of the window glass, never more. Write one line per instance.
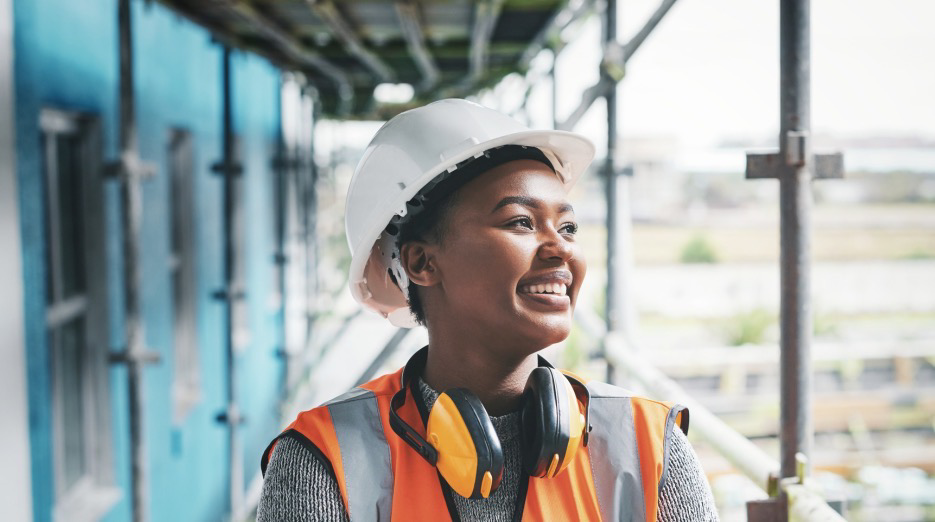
(68, 347)
(186, 384)
(70, 214)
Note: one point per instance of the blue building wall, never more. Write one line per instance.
(66, 58)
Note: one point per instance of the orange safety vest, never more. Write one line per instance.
(381, 477)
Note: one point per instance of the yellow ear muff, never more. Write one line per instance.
(576, 426)
(470, 458)
(552, 422)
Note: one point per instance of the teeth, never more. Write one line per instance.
(547, 288)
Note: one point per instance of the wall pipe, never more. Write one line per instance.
(131, 171)
(283, 167)
(230, 170)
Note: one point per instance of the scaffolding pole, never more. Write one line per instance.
(794, 166)
(795, 222)
(230, 170)
(131, 171)
(310, 224)
(618, 308)
(283, 167)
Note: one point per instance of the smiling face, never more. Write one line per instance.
(508, 268)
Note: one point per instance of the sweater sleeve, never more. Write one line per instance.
(298, 487)
(686, 495)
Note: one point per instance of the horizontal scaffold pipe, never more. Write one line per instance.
(743, 454)
(805, 504)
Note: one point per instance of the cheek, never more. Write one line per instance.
(579, 268)
(490, 265)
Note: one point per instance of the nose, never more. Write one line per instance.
(554, 246)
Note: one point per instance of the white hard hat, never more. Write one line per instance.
(408, 153)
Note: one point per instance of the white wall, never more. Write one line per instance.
(15, 483)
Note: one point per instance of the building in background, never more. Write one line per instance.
(63, 71)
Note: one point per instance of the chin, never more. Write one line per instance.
(547, 332)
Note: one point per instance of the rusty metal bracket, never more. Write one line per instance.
(768, 510)
(771, 166)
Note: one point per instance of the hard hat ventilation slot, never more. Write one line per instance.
(445, 183)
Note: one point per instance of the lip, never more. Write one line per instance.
(548, 302)
(555, 276)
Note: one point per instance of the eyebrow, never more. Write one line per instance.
(528, 202)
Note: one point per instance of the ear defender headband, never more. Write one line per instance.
(461, 441)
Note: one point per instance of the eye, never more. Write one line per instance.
(569, 228)
(521, 222)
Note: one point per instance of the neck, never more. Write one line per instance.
(485, 369)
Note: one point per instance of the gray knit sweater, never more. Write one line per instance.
(297, 486)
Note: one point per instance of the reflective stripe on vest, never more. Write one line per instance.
(364, 453)
(615, 456)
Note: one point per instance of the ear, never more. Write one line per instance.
(418, 259)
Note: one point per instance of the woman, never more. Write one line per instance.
(458, 220)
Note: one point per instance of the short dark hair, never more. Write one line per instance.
(430, 225)
(433, 206)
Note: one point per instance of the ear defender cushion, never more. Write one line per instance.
(546, 422)
(470, 458)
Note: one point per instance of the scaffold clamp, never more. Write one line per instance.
(771, 166)
(129, 167)
(228, 294)
(231, 416)
(127, 356)
(227, 168)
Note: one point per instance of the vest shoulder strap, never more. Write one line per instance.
(364, 455)
(630, 444)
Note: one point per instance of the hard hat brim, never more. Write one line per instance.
(570, 153)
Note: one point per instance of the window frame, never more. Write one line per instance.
(94, 493)
(182, 264)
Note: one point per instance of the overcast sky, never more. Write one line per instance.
(710, 71)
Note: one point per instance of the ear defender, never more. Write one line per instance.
(552, 422)
(462, 444)
(469, 454)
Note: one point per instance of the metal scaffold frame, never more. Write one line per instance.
(230, 171)
(794, 165)
(130, 171)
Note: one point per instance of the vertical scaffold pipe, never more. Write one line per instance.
(553, 78)
(795, 207)
(618, 316)
(283, 167)
(310, 218)
(130, 171)
(230, 170)
(610, 35)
